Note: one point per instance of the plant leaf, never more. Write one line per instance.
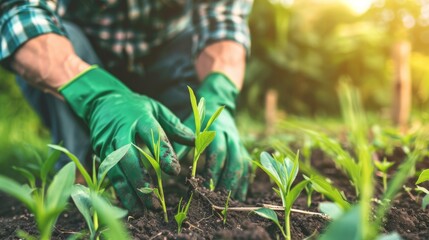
(268, 214)
(49, 164)
(201, 109)
(116, 230)
(204, 139)
(151, 160)
(195, 110)
(266, 165)
(79, 165)
(110, 161)
(27, 174)
(425, 201)
(60, 188)
(213, 117)
(324, 187)
(347, 224)
(156, 191)
(294, 193)
(82, 200)
(13, 188)
(146, 190)
(424, 176)
(331, 209)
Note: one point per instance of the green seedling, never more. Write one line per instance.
(81, 194)
(203, 137)
(109, 216)
(212, 186)
(356, 222)
(225, 209)
(318, 182)
(309, 191)
(182, 213)
(155, 163)
(45, 202)
(424, 177)
(282, 170)
(383, 167)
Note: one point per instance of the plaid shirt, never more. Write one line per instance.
(126, 29)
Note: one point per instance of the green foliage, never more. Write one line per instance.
(424, 177)
(155, 163)
(356, 223)
(283, 170)
(307, 48)
(182, 213)
(22, 135)
(204, 137)
(383, 167)
(322, 186)
(224, 212)
(109, 216)
(270, 215)
(331, 209)
(45, 202)
(81, 195)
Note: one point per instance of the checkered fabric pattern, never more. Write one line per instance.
(126, 29)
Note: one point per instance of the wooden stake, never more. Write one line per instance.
(402, 85)
(271, 99)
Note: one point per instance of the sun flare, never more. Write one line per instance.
(358, 6)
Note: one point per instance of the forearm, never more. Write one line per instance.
(227, 57)
(47, 61)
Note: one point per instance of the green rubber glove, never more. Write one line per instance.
(227, 162)
(116, 116)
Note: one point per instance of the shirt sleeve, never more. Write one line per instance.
(221, 20)
(21, 20)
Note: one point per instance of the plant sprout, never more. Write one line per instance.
(46, 203)
(202, 137)
(225, 210)
(309, 190)
(282, 171)
(81, 194)
(383, 167)
(211, 185)
(155, 163)
(182, 213)
(424, 177)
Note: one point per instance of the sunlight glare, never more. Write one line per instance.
(359, 6)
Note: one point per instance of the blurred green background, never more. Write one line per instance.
(301, 49)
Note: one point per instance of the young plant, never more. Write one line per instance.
(318, 182)
(211, 185)
(309, 191)
(155, 163)
(282, 170)
(356, 222)
(203, 137)
(225, 210)
(46, 203)
(81, 195)
(182, 213)
(424, 177)
(383, 167)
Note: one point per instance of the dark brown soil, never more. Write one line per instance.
(406, 216)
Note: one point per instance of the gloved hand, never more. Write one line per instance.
(227, 162)
(116, 116)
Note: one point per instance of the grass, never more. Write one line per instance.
(21, 132)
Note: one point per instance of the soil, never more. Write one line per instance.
(405, 217)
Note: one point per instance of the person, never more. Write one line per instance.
(104, 73)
